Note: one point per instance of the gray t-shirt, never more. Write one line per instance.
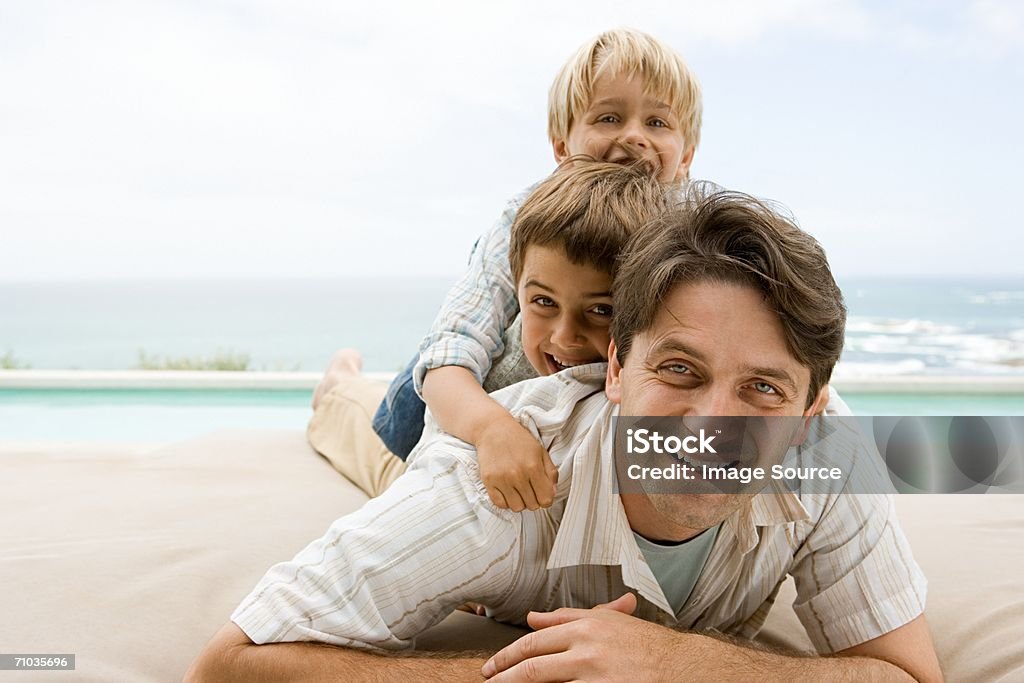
(677, 567)
(512, 365)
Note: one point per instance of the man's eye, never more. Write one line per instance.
(543, 301)
(675, 368)
(764, 388)
(602, 310)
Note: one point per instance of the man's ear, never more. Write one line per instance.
(683, 172)
(561, 150)
(817, 408)
(613, 382)
(820, 401)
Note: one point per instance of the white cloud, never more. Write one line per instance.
(994, 27)
(281, 138)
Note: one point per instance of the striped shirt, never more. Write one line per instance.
(434, 541)
(478, 309)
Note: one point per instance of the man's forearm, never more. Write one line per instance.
(735, 660)
(230, 656)
(565, 641)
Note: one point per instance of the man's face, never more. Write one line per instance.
(622, 123)
(566, 310)
(715, 349)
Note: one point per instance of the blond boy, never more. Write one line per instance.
(623, 97)
(562, 255)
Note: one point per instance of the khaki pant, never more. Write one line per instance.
(341, 430)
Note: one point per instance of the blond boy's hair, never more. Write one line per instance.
(588, 209)
(627, 52)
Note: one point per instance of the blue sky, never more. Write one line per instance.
(314, 139)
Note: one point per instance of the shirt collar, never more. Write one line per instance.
(594, 529)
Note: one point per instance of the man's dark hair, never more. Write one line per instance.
(725, 236)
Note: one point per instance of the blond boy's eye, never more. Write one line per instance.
(658, 123)
(608, 118)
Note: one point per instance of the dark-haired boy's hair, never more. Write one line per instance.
(723, 236)
(588, 209)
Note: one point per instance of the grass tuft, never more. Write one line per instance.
(9, 361)
(227, 361)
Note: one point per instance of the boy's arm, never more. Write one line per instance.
(468, 329)
(514, 466)
(466, 337)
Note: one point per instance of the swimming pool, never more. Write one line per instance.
(130, 415)
(153, 415)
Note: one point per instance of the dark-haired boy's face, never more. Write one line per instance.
(622, 123)
(566, 310)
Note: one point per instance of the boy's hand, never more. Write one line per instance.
(515, 468)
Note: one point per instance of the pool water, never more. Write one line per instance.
(133, 415)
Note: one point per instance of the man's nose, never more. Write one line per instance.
(717, 403)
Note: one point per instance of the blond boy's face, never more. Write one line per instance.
(622, 123)
(566, 309)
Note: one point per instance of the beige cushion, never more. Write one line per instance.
(133, 561)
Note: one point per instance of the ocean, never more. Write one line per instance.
(896, 326)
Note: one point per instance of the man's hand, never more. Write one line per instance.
(515, 468)
(605, 643)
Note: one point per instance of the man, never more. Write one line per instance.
(722, 308)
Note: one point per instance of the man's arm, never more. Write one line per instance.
(608, 644)
(231, 656)
(390, 570)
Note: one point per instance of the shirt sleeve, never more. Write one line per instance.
(468, 330)
(856, 578)
(396, 566)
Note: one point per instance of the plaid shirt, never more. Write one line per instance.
(478, 309)
(433, 541)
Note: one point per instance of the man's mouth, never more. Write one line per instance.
(557, 363)
(700, 463)
(728, 452)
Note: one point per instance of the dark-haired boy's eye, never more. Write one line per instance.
(543, 301)
(602, 309)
